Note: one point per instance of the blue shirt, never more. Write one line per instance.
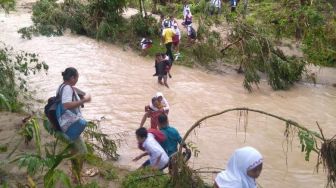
(172, 139)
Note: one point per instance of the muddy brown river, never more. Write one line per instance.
(121, 84)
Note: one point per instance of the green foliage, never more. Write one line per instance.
(48, 18)
(58, 176)
(7, 5)
(3, 148)
(192, 146)
(105, 145)
(34, 163)
(4, 103)
(184, 176)
(96, 18)
(258, 54)
(109, 10)
(14, 68)
(28, 32)
(145, 178)
(30, 130)
(109, 174)
(308, 142)
(201, 6)
(282, 74)
(312, 23)
(144, 27)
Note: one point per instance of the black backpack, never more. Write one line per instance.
(193, 33)
(50, 109)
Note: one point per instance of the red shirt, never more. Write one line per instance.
(154, 118)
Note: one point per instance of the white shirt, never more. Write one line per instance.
(185, 7)
(67, 96)
(177, 32)
(154, 150)
(216, 3)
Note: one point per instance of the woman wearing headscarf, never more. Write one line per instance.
(243, 168)
(187, 18)
(162, 102)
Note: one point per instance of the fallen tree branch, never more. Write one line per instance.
(197, 123)
(229, 45)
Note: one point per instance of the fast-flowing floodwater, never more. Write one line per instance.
(121, 84)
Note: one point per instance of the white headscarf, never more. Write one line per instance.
(235, 175)
(164, 102)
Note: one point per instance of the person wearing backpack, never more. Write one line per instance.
(68, 109)
(158, 158)
(63, 111)
(233, 5)
(191, 34)
(215, 7)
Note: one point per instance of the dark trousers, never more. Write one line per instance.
(169, 51)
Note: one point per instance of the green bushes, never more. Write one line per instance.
(257, 53)
(14, 67)
(312, 24)
(97, 19)
(146, 178)
(144, 26)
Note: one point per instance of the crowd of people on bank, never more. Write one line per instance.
(160, 140)
(171, 37)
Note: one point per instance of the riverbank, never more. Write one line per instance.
(10, 140)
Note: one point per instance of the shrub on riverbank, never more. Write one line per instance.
(14, 68)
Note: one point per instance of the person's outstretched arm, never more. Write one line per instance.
(144, 119)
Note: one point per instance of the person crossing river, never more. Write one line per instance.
(167, 38)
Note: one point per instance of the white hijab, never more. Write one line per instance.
(164, 102)
(235, 175)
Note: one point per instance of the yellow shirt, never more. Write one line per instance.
(168, 35)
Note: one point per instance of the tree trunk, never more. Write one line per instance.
(245, 8)
(144, 8)
(154, 8)
(140, 4)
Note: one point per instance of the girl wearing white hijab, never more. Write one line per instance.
(243, 168)
(163, 101)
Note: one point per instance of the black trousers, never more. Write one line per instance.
(169, 51)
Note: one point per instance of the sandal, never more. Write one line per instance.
(91, 172)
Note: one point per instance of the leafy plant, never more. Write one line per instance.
(109, 174)
(7, 5)
(105, 145)
(14, 68)
(308, 142)
(58, 176)
(144, 27)
(33, 162)
(30, 129)
(258, 53)
(144, 178)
